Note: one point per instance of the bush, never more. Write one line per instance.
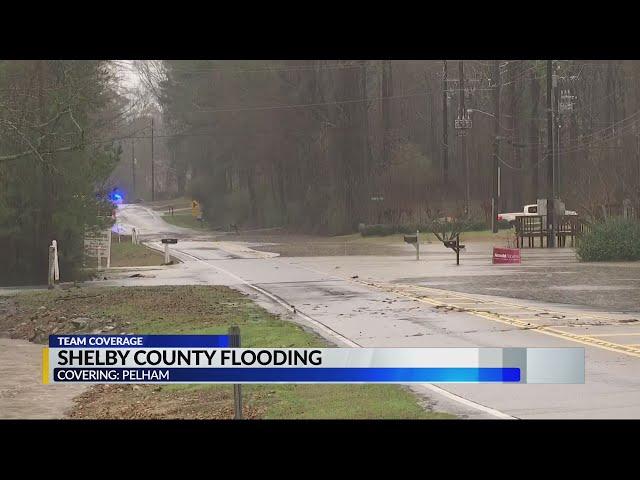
(614, 239)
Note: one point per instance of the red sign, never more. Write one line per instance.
(506, 255)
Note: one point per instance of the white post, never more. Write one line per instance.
(109, 249)
(51, 272)
(99, 259)
(166, 253)
(56, 266)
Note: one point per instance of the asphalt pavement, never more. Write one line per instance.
(378, 301)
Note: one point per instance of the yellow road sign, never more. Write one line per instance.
(195, 208)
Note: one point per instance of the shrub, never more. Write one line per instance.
(614, 239)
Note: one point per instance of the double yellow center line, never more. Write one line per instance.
(460, 302)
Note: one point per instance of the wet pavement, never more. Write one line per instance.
(383, 301)
(22, 394)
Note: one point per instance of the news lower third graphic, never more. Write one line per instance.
(210, 359)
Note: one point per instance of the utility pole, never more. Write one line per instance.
(556, 116)
(638, 156)
(445, 140)
(463, 147)
(550, 159)
(495, 173)
(153, 172)
(133, 167)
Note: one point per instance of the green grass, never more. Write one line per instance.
(126, 254)
(186, 220)
(212, 310)
(162, 205)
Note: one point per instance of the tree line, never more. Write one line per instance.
(54, 161)
(325, 145)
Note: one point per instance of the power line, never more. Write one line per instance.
(301, 68)
(302, 105)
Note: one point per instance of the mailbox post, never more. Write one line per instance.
(455, 246)
(167, 242)
(415, 241)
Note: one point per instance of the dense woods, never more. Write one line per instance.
(54, 162)
(308, 144)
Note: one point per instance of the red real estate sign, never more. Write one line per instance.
(506, 255)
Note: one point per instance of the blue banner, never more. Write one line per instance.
(288, 375)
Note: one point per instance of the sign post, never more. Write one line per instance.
(234, 342)
(98, 245)
(415, 241)
(195, 208)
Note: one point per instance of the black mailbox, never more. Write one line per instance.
(411, 238)
(169, 240)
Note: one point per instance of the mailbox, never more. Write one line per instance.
(411, 238)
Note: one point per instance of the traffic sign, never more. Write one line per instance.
(195, 208)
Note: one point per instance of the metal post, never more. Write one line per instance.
(234, 340)
(458, 249)
(417, 244)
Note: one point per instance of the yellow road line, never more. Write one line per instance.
(624, 334)
(501, 302)
(508, 320)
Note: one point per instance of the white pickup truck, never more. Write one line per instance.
(528, 210)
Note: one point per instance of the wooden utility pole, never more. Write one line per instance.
(153, 167)
(445, 127)
(463, 144)
(556, 117)
(495, 172)
(550, 161)
(387, 92)
(366, 164)
(133, 167)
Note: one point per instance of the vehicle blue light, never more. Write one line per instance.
(116, 197)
